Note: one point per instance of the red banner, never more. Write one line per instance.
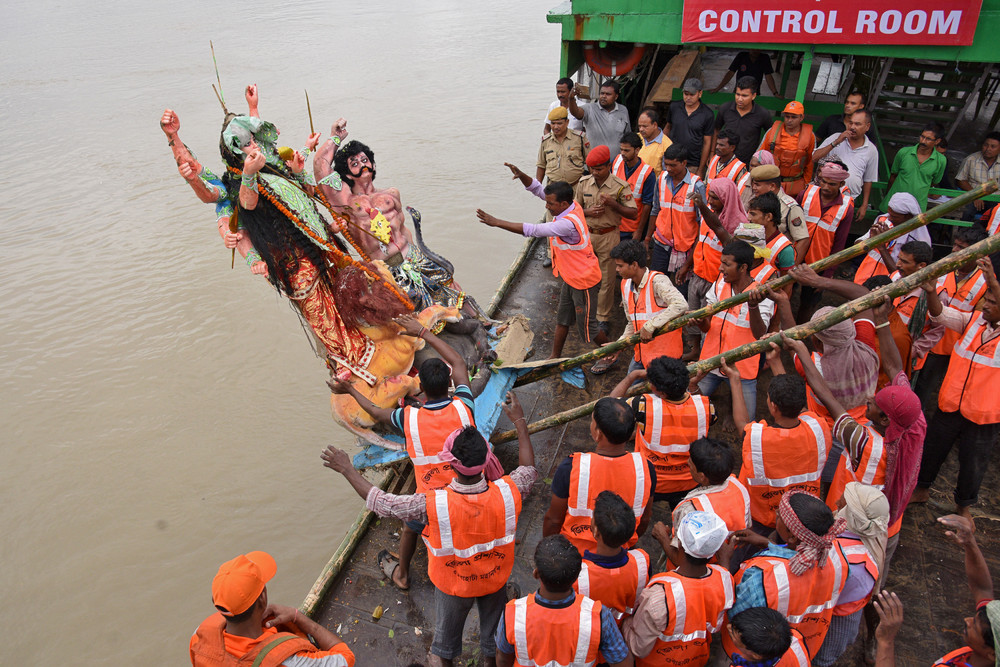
(921, 22)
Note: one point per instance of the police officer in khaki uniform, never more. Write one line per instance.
(767, 178)
(563, 151)
(605, 199)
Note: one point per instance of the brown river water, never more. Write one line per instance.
(162, 413)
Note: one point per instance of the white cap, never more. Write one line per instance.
(702, 533)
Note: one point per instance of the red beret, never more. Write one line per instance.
(598, 156)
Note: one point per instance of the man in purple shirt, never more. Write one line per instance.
(576, 305)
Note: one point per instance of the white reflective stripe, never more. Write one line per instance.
(778, 243)
(874, 452)
(781, 581)
(642, 565)
(579, 508)
(812, 192)
(741, 320)
(834, 556)
(968, 303)
(730, 597)
(710, 240)
(702, 412)
(657, 435)
(744, 182)
(411, 421)
(447, 547)
(854, 550)
(640, 179)
(639, 463)
(679, 617)
(807, 199)
(462, 409)
(713, 167)
(618, 166)
(973, 334)
(993, 226)
(746, 498)
(586, 628)
(444, 523)
(646, 292)
(521, 631)
(583, 581)
(581, 230)
(799, 652)
(757, 451)
(706, 504)
(426, 460)
(819, 435)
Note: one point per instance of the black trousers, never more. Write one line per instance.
(975, 442)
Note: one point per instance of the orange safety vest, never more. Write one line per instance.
(870, 470)
(707, 254)
(470, 538)
(728, 329)
(796, 656)
(763, 273)
(973, 376)
(806, 600)
(732, 504)
(637, 180)
(575, 263)
(776, 245)
(743, 183)
(591, 473)
(695, 609)
(794, 165)
(666, 436)
(778, 459)
(856, 554)
(822, 226)
(426, 431)
(564, 637)
(208, 646)
(677, 221)
(641, 307)
(872, 265)
(962, 297)
(993, 224)
(617, 588)
(962, 654)
(733, 170)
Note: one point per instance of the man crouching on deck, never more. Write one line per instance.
(573, 258)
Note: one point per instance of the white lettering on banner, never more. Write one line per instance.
(866, 22)
(703, 19)
(729, 21)
(790, 21)
(823, 22)
(939, 26)
(915, 29)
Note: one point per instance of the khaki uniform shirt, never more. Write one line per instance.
(563, 160)
(588, 195)
(791, 209)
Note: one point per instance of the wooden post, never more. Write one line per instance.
(857, 249)
(802, 331)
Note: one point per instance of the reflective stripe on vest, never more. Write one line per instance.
(677, 210)
(447, 547)
(776, 245)
(763, 273)
(637, 562)
(652, 438)
(872, 264)
(732, 168)
(797, 650)
(781, 579)
(582, 640)
(413, 428)
(970, 383)
(705, 504)
(579, 508)
(993, 225)
(638, 178)
(814, 216)
(575, 263)
(641, 307)
(760, 477)
(678, 614)
(962, 298)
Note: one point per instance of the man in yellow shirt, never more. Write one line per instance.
(653, 139)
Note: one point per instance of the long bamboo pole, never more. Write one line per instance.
(839, 314)
(823, 264)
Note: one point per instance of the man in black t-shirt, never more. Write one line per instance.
(745, 117)
(690, 124)
(754, 64)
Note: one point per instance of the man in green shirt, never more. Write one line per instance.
(916, 169)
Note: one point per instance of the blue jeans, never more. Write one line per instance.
(711, 382)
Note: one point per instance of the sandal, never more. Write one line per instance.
(388, 564)
(604, 364)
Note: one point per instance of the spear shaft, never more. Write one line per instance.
(857, 249)
(800, 332)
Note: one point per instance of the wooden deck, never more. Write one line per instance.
(927, 571)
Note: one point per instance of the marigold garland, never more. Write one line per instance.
(265, 191)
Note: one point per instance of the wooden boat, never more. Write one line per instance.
(927, 570)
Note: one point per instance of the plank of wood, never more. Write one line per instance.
(684, 65)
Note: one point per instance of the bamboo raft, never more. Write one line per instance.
(351, 586)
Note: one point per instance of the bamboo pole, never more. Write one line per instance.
(839, 314)
(823, 264)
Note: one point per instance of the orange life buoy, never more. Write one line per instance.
(615, 58)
